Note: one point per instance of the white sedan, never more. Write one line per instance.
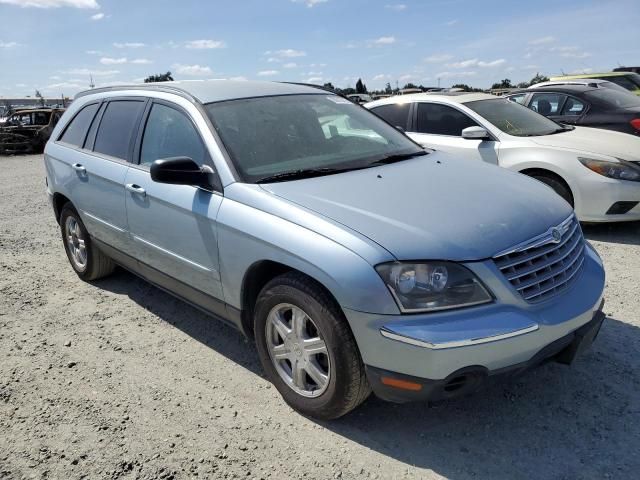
(596, 171)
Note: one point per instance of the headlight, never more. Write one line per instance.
(428, 286)
(620, 170)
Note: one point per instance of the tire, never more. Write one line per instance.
(557, 185)
(76, 238)
(346, 386)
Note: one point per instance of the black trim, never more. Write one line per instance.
(194, 297)
(474, 377)
(620, 208)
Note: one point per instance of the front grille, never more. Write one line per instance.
(543, 267)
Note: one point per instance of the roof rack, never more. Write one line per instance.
(154, 86)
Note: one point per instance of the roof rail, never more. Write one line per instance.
(153, 86)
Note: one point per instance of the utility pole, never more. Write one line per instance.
(91, 84)
(438, 82)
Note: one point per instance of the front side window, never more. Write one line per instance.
(547, 103)
(514, 119)
(170, 133)
(76, 131)
(41, 118)
(116, 128)
(274, 136)
(438, 119)
(397, 114)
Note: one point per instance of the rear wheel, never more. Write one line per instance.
(87, 261)
(557, 184)
(307, 349)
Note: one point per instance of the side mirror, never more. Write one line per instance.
(182, 171)
(475, 133)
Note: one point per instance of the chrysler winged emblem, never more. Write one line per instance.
(556, 235)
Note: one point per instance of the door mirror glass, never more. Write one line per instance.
(182, 171)
(475, 133)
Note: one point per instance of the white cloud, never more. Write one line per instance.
(205, 44)
(9, 44)
(141, 61)
(575, 54)
(93, 52)
(239, 78)
(438, 58)
(97, 16)
(398, 7)
(286, 53)
(316, 65)
(494, 63)
(456, 74)
(464, 63)
(385, 40)
(113, 61)
(542, 40)
(382, 76)
(407, 77)
(290, 65)
(54, 77)
(58, 86)
(310, 3)
(95, 73)
(191, 70)
(53, 3)
(314, 80)
(451, 23)
(128, 45)
(268, 73)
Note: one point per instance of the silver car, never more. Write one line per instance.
(356, 259)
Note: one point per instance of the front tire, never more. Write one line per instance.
(87, 261)
(307, 349)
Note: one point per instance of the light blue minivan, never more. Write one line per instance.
(356, 259)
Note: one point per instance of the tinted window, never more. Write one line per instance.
(77, 129)
(169, 133)
(396, 114)
(514, 119)
(623, 82)
(547, 103)
(518, 98)
(442, 120)
(573, 107)
(614, 98)
(116, 128)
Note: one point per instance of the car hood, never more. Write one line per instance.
(594, 140)
(433, 207)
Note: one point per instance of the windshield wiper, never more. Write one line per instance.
(398, 157)
(302, 173)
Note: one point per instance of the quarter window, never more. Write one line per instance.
(76, 131)
(518, 98)
(573, 107)
(116, 128)
(170, 133)
(397, 114)
(439, 119)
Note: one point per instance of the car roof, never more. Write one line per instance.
(591, 75)
(446, 97)
(558, 88)
(207, 91)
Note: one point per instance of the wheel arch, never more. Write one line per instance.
(530, 172)
(59, 201)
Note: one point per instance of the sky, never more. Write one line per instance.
(55, 45)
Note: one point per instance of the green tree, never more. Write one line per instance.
(506, 83)
(39, 96)
(410, 85)
(329, 86)
(360, 87)
(388, 89)
(537, 79)
(162, 77)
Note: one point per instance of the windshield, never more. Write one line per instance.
(513, 118)
(270, 136)
(614, 97)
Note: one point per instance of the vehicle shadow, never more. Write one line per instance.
(626, 233)
(554, 422)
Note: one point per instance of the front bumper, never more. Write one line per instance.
(386, 384)
(502, 335)
(597, 196)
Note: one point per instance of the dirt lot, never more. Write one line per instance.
(119, 380)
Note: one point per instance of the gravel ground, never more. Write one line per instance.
(117, 379)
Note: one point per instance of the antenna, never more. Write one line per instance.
(91, 84)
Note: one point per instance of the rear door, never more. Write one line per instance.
(173, 227)
(440, 126)
(99, 160)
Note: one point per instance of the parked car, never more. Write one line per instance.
(597, 171)
(359, 98)
(349, 257)
(628, 80)
(584, 105)
(27, 131)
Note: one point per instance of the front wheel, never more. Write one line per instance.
(307, 349)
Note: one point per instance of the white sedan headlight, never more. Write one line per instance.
(429, 286)
(618, 169)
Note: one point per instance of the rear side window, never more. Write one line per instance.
(396, 114)
(439, 119)
(117, 127)
(573, 107)
(622, 81)
(547, 103)
(170, 133)
(76, 131)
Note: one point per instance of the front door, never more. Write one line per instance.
(173, 227)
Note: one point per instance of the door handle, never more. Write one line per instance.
(132, 187)
(78, 167)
